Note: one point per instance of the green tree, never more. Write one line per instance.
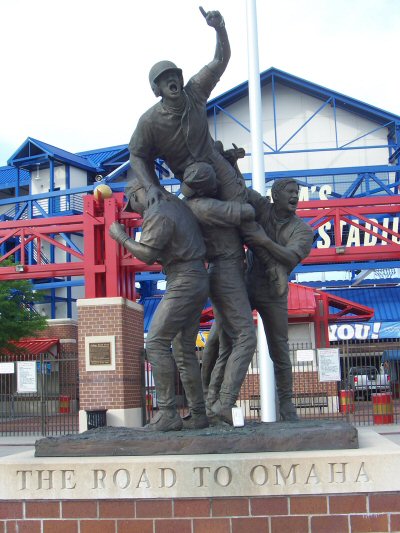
(18, 318)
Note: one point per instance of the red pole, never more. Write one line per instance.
(90, 263)
(112, 262)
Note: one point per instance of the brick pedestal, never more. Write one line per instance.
(330, 491)
(345, 513)
(115, 384)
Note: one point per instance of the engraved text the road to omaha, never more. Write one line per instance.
(139, 478)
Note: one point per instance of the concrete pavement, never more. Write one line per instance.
(11, 445)
(390, 431)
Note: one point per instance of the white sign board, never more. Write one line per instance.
(328, 364)
(26, 376)
(7, 368)
(304, 356)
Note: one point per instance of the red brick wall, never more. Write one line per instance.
(379, 512)
(303, 382)
(119, 388)
(65, 330)
(250, 387)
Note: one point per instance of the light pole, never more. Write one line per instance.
(266, 369)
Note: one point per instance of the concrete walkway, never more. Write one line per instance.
(390, 431)
(16, 444)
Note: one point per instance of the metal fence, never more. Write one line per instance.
(38, 395)
(365, 390)
(369, 386)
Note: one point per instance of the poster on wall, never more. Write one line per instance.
(26, 376)
(6, 368)
(304, 356)
(328, 364)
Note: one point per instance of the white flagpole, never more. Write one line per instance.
(267, 380)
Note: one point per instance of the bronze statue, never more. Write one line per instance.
(219, 221)
(290, 241)
(176, 129)
(171, 236)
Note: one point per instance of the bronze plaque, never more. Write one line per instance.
(100, 353)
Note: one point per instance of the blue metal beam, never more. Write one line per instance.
(305, 124)
(58, 284)
(332, 171)
(348, 283)
(312, 89)
(346, 267)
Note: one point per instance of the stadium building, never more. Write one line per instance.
(343, 152)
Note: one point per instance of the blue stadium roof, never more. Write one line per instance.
(317, 91)
(33, 152)
(150, 304)
(103, 155)
(9, 176)
(384, 300)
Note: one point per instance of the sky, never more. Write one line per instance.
(74, 73)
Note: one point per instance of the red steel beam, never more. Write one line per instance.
(350, 212)
(108, 269)
(54, 270)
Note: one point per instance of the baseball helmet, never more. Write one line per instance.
(158, 69)
(199, 178)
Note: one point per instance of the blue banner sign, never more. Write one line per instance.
(364, 331)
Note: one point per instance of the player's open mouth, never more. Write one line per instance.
(173, 87)
(293, 201)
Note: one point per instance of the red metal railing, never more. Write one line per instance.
(110, 271)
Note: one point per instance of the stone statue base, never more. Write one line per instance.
(253, 437)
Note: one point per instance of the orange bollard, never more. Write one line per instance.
(64, 404)
(346, 401)
(382, 408)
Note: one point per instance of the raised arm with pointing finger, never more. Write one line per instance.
(175, 129)
(223, 49)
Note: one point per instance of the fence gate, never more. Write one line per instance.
(365, 391)
(369, 388)
(38, 394)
